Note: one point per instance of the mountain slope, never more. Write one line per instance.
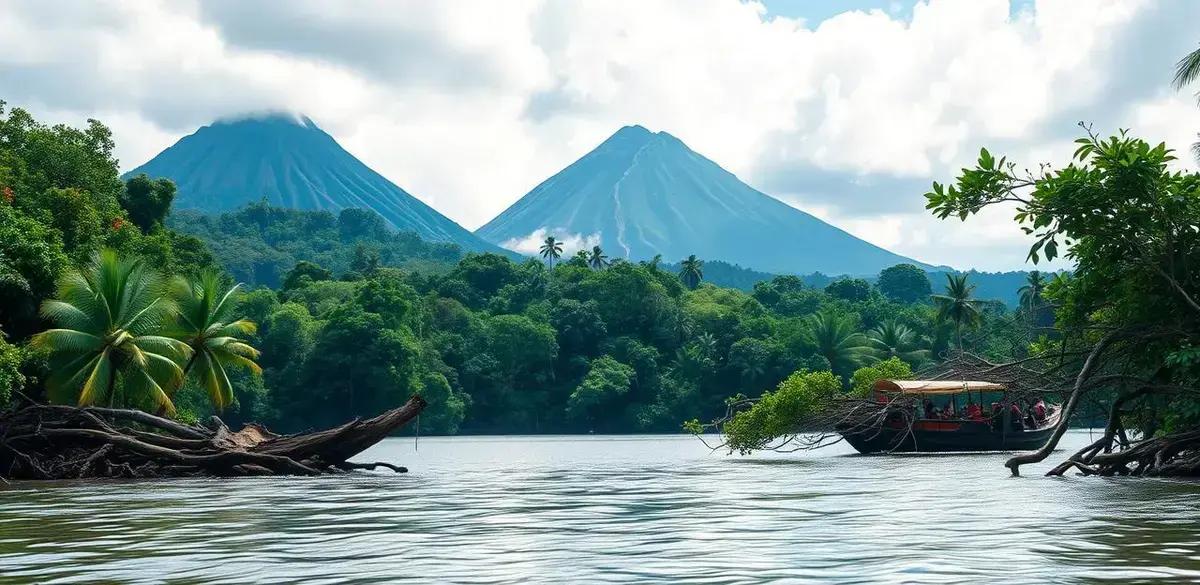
(294, 164)
(643, 193)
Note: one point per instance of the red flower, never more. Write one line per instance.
(117, 223)
(8, 195)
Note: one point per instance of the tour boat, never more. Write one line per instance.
(905, 430)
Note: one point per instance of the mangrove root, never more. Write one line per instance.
(1176, 455)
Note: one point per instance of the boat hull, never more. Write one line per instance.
(936, 436)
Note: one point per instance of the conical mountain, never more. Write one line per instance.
(293, 163)
(643, 193)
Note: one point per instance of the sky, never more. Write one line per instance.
(845, 109)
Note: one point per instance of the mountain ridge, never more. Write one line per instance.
(642, 193)
(289, 160)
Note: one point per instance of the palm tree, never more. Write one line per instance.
(206, 324)
(691, 272)
(597, 260)
(652, 265)
(551, 250)
(938, 336)
(1187, 71)
(894, 339)
(1031, 293)
(107, 343)
(957, 306)
(834, 337)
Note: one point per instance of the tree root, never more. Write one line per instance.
(1176, 455)
(39, 441)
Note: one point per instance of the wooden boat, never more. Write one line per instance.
(903, 430)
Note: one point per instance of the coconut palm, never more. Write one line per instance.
(894, 339)
(206, 324)
(597, 260)
(551, 249)
(691, 271)
(107, 347)
(1187, 71)
(834, 337)
(1031, 293)
(938, 335)
(957, 306)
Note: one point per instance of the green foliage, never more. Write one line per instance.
(596, 259)
(207, 323)
(890, 369)
(304, 273)
(1128, 222)
(107, 347)
(958, 306)
(894, 340)
(11, 378)
(1031, 292)
(357, 366)
(904, 283)
(835, 337)
(606, 381)
(551, 250)
(259, 244)
(147, 201)
(691, 271)
(31, 258)
(446, 409)
(781, 412)
(849, 289)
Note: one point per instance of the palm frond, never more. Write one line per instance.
(215, 381)
(66, 341)
(1187, 70)
(98, 380)
(241, 326)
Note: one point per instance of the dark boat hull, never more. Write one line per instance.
(945, 437)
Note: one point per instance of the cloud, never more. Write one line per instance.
(468, 104)
(571, 243)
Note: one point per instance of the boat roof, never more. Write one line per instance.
(936, 386)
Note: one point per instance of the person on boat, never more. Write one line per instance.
(930, 411)
(948, 411)
(973, 411)
(1039, 411)
(1014, 417)
(997, 417)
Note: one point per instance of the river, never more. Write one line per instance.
(610, 509)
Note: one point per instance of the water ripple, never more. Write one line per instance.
(504, 510)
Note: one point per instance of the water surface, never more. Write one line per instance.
(610, 509)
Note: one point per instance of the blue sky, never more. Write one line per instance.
(468, 104)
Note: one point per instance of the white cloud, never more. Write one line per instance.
(470, 103)
(571, 242)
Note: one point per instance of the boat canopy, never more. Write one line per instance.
(936, 386)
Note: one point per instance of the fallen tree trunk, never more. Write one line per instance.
(39, 441)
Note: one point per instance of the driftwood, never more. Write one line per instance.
(40, 441)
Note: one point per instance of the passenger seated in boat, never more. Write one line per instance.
(973, 411)
(1014, 417)
(1039, 411)
(948, 411)
(930, 411)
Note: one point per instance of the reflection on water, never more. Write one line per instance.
(609, 509)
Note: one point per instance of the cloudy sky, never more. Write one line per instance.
(846, 109)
